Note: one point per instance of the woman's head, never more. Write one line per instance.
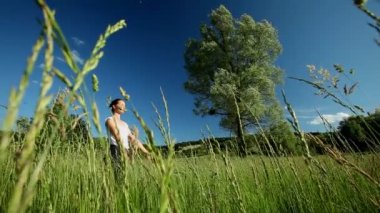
(118, 106)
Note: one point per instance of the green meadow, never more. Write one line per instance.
(81, 180)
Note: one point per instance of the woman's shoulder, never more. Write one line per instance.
(108, 121)
(110, 117)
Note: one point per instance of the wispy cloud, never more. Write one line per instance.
(305, 116)
(311, 110)
(35, 82)
(307, 111)
(331, 118)
(78, 41)
(60, 59)
(77, 57)
(41, 65)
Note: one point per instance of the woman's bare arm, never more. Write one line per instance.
(137, 142)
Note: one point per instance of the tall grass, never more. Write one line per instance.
(62, 176)
(68, 183)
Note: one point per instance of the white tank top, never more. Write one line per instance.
(124, 132)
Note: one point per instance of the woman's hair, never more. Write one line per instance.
(114, 103)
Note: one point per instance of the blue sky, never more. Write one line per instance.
(148, 54)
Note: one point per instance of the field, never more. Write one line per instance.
(84, 180)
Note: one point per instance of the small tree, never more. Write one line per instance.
(283, 139)
(232, 74)
(62, 124)
(22, 126)
(361, 132)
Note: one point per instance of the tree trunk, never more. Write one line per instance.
(240, 133)
(242, 147)
(240, 138)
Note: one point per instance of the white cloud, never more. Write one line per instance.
(35, 82)
(305, 116)
(60, 59)
(311, 110)
(77, 57)
(41, 66)
(78, 41)
(331, 118)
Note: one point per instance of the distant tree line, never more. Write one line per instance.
(355, 134)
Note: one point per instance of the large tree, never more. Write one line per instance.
(231, 72)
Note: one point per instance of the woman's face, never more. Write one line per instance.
(119, 107)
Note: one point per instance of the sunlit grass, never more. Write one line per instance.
(69, 182)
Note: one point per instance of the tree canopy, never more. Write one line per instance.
(231, 71)
(361, 132)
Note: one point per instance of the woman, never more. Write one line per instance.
(118, 132)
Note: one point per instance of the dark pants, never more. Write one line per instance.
(117, 159)
(115, 153)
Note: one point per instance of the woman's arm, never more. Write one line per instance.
(137, 142)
